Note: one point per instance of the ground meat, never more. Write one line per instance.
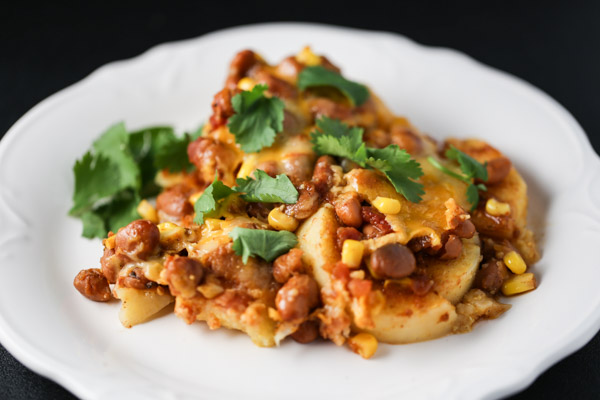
(183, 275)
(297, 298)
(307, 204)
(474, 306)
(174, 201)
(498, 227)
(136, 280)
(345, 233)
(288, 265)
(92, 284)
(375, 219)
(138, 240)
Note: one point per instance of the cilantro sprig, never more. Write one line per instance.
(338, 139)
(263, 189)
(320, 76)
(257, 119)
(471, 169)
(266, 189)
(119, 170)
(265, 244)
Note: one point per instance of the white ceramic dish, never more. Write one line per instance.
(49, 327)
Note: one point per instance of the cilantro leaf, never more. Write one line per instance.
(207, 204)
(321, 76)
(172, 153)
(114, 145)
(257, 119)
(400, 169)
(96, 179)
(337, 139)
(265, 244)
(266, 189)
(470, 168)
(468, 165)
(93, 225)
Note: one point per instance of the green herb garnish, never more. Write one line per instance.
(266, 189)
(257, 119)
(112, 178)
(321, 76)
(338, 139)
(265, 244)
(471, 169)
(208, 204)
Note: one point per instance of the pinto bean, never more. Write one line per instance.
(406, 139)
(138, 239)
(452, 248)
(289, 67)
(136, 280)
(345, 233)
(307, 204)
(392, 261)
(491, 276)
(324, 107)
(297, 297)
(92, 284)
(183, 275)
(174, 202)
(210, 156)
(298, 167)
(307, 332)
(287, 265)
(277, 86)
(222, 108)
(239, 67)
(323, 174)
(111, 263)
(465, 229)
(498, 169)
(349, 211)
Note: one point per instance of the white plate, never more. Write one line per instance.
(49, 327)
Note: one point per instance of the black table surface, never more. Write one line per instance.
(554, 46)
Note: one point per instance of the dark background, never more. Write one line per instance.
(44, 48)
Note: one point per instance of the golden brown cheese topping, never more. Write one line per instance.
(359, 256)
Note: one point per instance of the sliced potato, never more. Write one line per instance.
(139, 305)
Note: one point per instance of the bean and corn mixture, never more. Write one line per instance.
(304, 208)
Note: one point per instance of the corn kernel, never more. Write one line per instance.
(518, 284)
(147, 211)
(281, 221)
(246, 83)
(109, 242)
(194, 198)
(170, 233)
(386, 205)
(358, 274)
(497, 208)
(210, 290)
(363, 344)
(514, 262)
(166, 179)
(274, 314)
(248, 166)
(352, 253)
(307, 57)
